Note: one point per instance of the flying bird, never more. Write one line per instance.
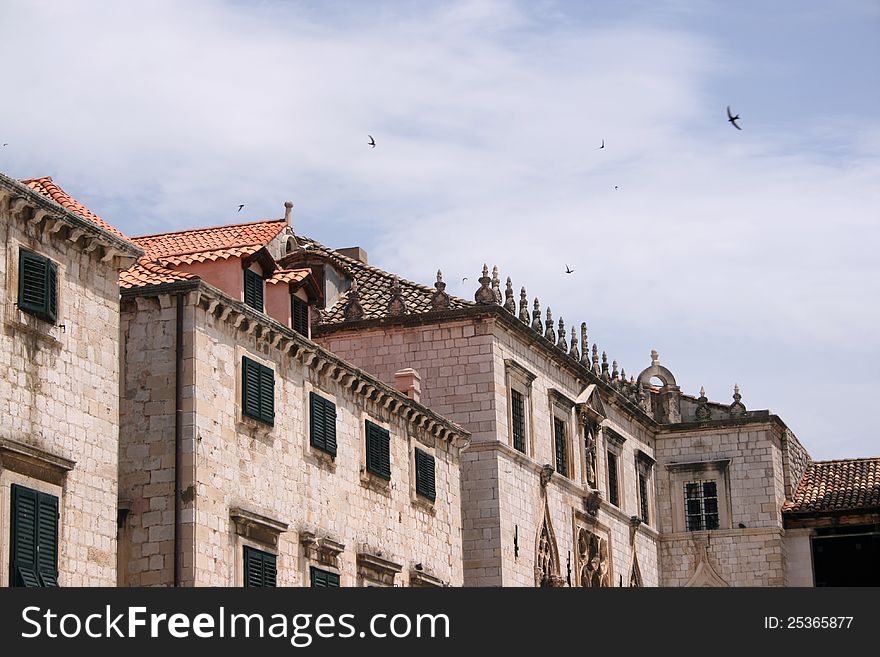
(732, 119)
(615, 187)
(240, 207)
(602, 146)
(464, 279)
(372, 141)
(568, 271)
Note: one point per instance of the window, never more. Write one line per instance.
(37, 285)
(34, 538)
(322, 424)
(324, 578)
(700, 505)
(425, 485)
(559, 438)
(257, 391)
(643, 498)
(378, 450)
(613, 493)
(518, 420)
(300, 315)
(253, 289)
(259, 567)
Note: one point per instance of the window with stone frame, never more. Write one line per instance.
(260, 568)
(257, 391)
(644, 470)
(561, 434)
(613, 470)
(699, 492)
(256, 540)
(33, 538)
(37, 285)
(320, 578)
(519, 415)
(560, 446)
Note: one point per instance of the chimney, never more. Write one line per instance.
(288, 206)
(355, 253)
(409, 383)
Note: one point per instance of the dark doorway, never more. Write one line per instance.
(847, 559)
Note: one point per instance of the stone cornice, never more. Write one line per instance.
(33, 461)
(26, 204)
(277, 336)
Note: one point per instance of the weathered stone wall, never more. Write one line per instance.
(59, 393)
(272, 471)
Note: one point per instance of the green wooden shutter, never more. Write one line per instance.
(300, 315)
(260, 568)
(378, 450)
(23, 566)
(37, 285)
(324, 578)
(250, 387)
(47, 539)
(425, 484)
(253, 289)
(322, 413)
(267, 395)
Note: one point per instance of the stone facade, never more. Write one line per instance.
(59, 387)
(246, 483)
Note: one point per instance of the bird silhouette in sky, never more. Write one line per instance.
(615, 187)
(732, 119)
(372, 141)
(602, 146)
(464, 279)
(568, 270)
(240, 207)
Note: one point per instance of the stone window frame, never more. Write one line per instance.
(645, 463)
(256, 531)
(375, 571)
(369, 479)
(322, 553)
(39, 470)
(614, 442)
(24, 320)
(520, 379)
(430, 449)
(686, 472)
(561, 408)
(241, 419)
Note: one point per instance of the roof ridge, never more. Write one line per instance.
(205, 228)
(861, 459)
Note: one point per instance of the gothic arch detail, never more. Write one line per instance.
(594, 559)
(547, 554)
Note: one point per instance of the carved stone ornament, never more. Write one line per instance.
(396, 304)
(321, 550)
(440, 299)
(485, 295)
(547, 556)
(353, 310)
(546, 474)
(593, 560)
(592, 502)
(703, 411)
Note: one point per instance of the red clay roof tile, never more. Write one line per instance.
(50, 189)
(837, 485)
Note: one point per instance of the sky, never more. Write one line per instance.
(745, 257)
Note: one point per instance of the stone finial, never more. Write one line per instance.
(585, 346)
(623, 375)
(655, 357)
(509, 301)
(439, 300)
(537, 326)
(605, 365)
(353, 310)
(496, 285)
(614, 372)
(523, 307)
(562, 344)
(485, 295)
(703, 411)
(737, 407)
(396, 304)
(595, 359)
(549, 333)
(573, 349)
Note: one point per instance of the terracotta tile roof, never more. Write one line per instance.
(288, 276)
(50, 189)
(374, 287)
(217, 242)
(837, 485)
(144, 272)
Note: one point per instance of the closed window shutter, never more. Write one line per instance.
(267, 395)
(324, 578)
(260, 568)
(559, 427)
(300, 314)
(37, 286)
(378, 450)
(253, 289)
(323, 423)
(250, 387)
(425, 485)
(47, 540)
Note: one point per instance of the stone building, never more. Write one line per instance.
(59, 387)
(251, 455)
